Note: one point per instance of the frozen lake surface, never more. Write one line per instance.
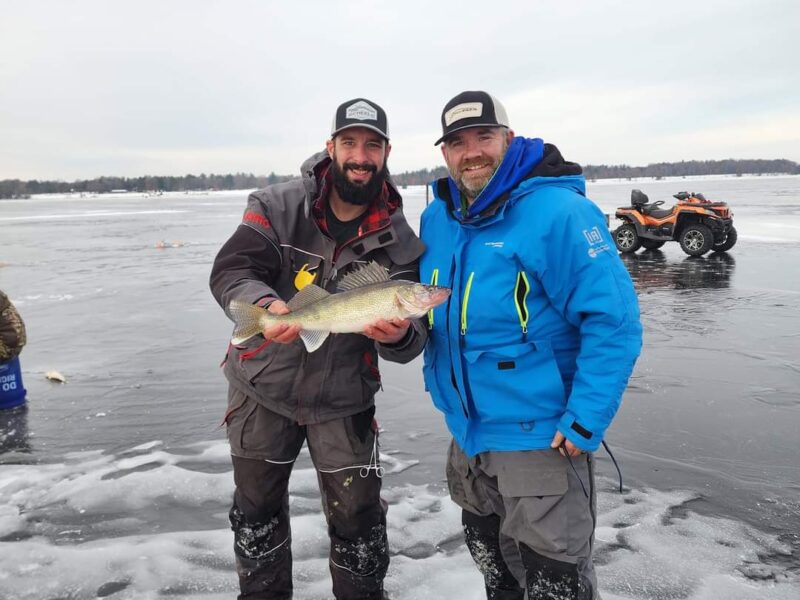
(117, 484)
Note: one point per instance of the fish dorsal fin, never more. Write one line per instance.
(308, 295)
(313, 339)
(366, 275)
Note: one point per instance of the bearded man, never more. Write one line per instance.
(344, 212)
(529, 357)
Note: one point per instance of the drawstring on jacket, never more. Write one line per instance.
(614, 460)
(563, 446)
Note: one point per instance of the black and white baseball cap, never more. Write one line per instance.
(360, 112)
(472, 109)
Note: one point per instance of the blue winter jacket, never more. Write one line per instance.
(542, 328)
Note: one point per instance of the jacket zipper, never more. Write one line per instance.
(521, 291)
(434, 281)
(449, 344)
(465, 303)
(324, 280)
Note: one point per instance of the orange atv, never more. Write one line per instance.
(697, 224)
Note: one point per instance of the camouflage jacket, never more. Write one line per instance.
(12, 330)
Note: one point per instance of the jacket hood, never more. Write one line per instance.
(526, 158)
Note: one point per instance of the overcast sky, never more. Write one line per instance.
(91, 88)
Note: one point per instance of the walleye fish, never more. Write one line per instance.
(365, 296)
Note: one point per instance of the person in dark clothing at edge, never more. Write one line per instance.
(529, 358)
(344, 212)
(12, 330)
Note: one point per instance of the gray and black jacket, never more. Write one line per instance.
(282, 234)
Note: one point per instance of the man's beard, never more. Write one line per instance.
(359, 194)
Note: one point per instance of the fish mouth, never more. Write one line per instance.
(438, 295)
(419, 303)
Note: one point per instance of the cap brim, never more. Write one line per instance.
(365, 126)
(470, 126)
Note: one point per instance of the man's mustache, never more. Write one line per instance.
(361, 167)
(474, 163)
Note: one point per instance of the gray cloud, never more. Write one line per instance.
(95, 88)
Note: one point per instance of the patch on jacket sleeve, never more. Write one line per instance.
(258, 221)
(596, 242)
(582, 431)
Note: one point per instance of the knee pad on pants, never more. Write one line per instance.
(367, 556)
(263, 542)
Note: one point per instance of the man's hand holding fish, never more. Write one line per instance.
(283, 333)
(387, 332)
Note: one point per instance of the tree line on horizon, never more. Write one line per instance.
(15, 188)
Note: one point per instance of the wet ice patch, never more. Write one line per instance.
(150, 566)
(10, 520)
(149, 523)
(650, 545)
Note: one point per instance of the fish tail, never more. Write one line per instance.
(248, 319)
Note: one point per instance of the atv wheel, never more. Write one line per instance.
(651, 244)
(730, 241)
(696, 240)
(626, 239)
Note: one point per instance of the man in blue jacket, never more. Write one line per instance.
(529, 358)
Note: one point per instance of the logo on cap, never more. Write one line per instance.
(467, 110)
(361, 111)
